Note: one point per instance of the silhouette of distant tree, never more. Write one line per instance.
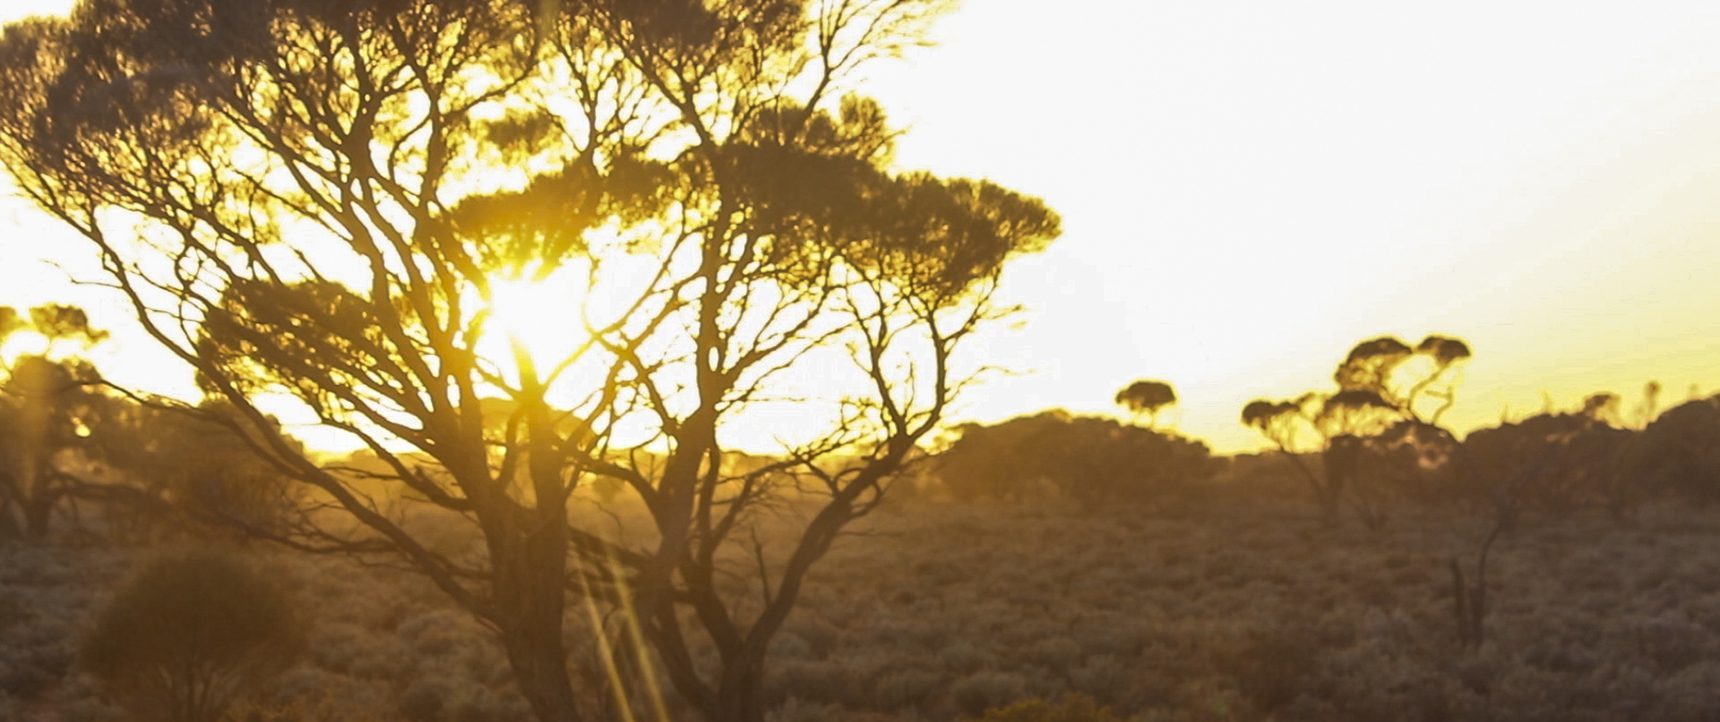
(1564, 461)
(179, 470)
(48, 410)
(1146, 398)
(323, 194)
(1372, 428)
(1680, 451)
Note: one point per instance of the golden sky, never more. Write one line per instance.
(1250, 188)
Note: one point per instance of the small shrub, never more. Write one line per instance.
(984, 690)
(191, 634)
(905, 688)
(1073, 708)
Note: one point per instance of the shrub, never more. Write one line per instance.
(1073, 708)
(189, 635)
(1090, 460)
(984, 690)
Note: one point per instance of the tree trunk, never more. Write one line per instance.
(540, 666)
(740, 698)
(529, 569)
(9, 527)
(37, 513)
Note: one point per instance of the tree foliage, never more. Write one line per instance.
(1372, 435)
(1146, 397)
(1680, 451)
(313, 200)
(49, 409)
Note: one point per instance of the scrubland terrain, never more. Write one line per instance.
(939, 612)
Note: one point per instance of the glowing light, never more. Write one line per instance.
(541, 315)
(15, 9)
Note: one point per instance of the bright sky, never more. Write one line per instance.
(1250, 188)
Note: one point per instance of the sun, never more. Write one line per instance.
(544, 316)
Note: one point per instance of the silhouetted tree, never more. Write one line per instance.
(1566, 461)
(1680, 451)
(189, 635)
(48, 410)
(325, 194)
(1370, 431)
(183, 472)
(1146, 398)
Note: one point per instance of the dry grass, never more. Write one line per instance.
(1218, 613)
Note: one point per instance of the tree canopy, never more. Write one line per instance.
(312, 200)
(1146, 397)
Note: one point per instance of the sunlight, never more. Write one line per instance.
(25, 342)
(15, 9)
(543, 315)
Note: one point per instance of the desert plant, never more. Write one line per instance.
(1680, 451)
(1090, 460)
(1072, 708)
(191, 634)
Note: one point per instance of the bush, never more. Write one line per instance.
(1073, 708)
(987, 689)
(1093, 461)
(191, 634)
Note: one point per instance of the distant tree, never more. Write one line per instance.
(189, 635)
(61, 323)
(1388, 367)
(1090, 460)
(1371, 431)
(1555, 462)
(48, 411)
(1146, 398)
(181, 470)
(1680, 451)
(320, 197)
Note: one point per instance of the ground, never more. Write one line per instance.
(935, 612)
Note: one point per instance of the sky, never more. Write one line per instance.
(1248, 189)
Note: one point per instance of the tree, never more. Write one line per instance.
(184, 473)
(1372, 429)
(1680, 451)
(325, 195)
(189, 635)
(48, 411)
(1146, 398)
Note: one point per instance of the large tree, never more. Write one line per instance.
(313, 200)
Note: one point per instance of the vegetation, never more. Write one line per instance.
(1376, 418)
(1216, 612)
(319, 208)
(340, 190)
(48, 405)
(1147, 398)
(189, 635)
(1090, 460)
